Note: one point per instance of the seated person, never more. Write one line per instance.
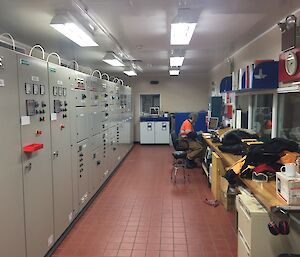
(187, 133)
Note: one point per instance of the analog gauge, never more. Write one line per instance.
(291, 64)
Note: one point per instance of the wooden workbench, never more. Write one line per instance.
(264, 192)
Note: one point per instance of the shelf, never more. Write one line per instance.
(289, 89)
(264, 76)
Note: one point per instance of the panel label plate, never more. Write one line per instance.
(24, 62)
(25, 120)
(35, 78)
(53, 116)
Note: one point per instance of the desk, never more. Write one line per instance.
(264, 192)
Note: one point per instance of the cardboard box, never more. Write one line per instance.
(288, 188)
(227, 198)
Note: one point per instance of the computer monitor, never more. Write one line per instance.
(213, 123)
(154, 111)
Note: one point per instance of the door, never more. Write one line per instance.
(162, 132)
(12, 243)
(147, 133)
(36, 156)
(59, 90)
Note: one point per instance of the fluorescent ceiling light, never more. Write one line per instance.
(176, 61)
(181, 33)
(174, 72)
(113, 60)
(130, 72)
(66, 25)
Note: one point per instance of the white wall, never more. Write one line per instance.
(177, 94)
(266, 46)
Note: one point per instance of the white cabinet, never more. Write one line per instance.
(154, 132)
(161, 131)
(147, 132)
(254, 238)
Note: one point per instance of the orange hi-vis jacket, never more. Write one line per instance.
(186, 128)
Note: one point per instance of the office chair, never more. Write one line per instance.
(179, 155)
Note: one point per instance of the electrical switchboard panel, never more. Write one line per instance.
(83, 172)
(12, 224)
(36, 156)
(61, 146)
(80, 89)
(95, 141)
(96, 171)
(94, 91)
(105, 153)
(82, 123)
(96, 120)
(64, 136)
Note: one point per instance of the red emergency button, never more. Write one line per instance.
(62, 126)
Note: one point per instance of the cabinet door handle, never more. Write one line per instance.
(28, 167)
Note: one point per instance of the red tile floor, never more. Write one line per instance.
(140, 213)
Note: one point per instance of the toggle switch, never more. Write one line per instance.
(62, 126)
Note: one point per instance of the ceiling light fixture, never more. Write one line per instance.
(113, 60)
(130, 72)
(176, 61)
(174, 72)
(69, 27)
(183, 27)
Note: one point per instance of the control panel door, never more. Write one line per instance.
(95, 120)
(36, 156)
(59, 91)
(96, 175)
(12, 242)
(82, 123)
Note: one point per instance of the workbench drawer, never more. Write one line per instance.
(244, 219)
(243, 250)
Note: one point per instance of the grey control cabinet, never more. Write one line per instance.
(63, 134)
(12, 243)
(36, 156)
(59, 91)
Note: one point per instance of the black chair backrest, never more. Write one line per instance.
(176, 145)
(174, 139)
